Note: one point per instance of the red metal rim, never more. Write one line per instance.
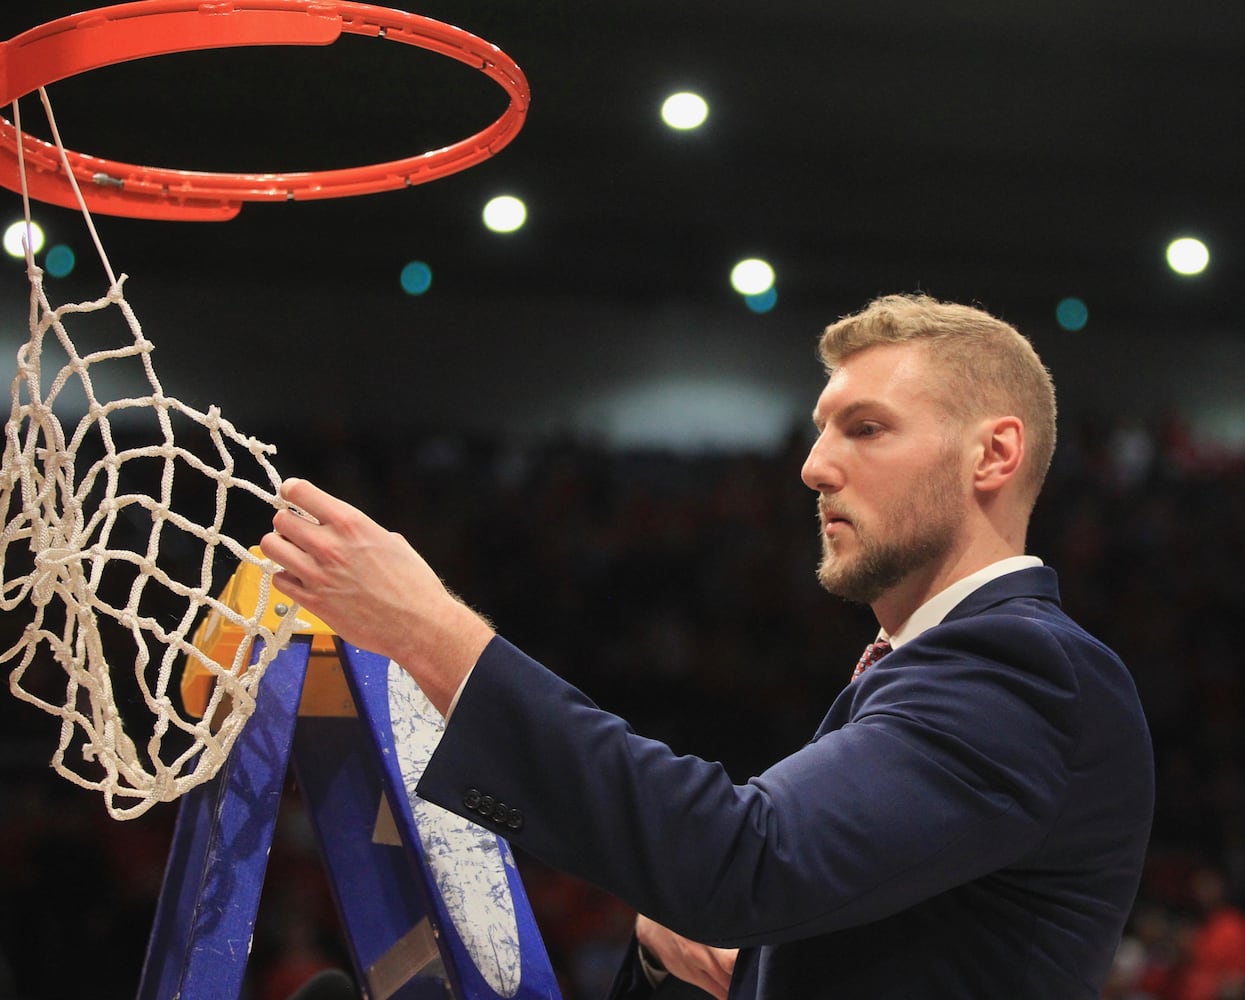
(109, 35)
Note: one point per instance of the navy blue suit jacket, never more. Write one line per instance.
(969, 821)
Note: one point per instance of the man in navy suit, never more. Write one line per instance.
(970, 819)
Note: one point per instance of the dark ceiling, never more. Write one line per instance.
(1007, 152)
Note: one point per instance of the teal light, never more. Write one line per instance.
(1072, 314)
(762, 302)
(59, 261)
(416, 278)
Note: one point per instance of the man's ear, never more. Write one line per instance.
(1002, 452)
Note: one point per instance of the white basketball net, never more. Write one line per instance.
(116, 562)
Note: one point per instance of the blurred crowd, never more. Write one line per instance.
(679, 592)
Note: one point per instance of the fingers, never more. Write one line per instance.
(311, 500)
(291, 540)
(294, 531)
(716, 965)
(701, 965)
(722, 968)
(295, 528)
(286, 555)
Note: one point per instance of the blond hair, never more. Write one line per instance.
(991, 368)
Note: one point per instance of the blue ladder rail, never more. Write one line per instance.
(430, 904)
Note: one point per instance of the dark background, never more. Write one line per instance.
(592, 437)
(1005, 154)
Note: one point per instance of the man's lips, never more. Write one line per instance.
(832, 521)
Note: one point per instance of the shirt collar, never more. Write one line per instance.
(935, 609)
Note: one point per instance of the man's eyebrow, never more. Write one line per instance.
(851, 409)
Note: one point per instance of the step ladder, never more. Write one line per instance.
(431, 905)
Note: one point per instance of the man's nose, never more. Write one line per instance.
(821, 471)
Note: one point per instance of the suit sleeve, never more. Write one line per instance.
(950, 765)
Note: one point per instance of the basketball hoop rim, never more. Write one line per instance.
(105, 36)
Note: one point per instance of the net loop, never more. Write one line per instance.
(115, 537)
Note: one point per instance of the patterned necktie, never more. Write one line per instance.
(873, 652)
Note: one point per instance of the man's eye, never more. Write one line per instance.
(867, 429)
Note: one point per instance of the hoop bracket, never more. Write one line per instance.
(137, 30)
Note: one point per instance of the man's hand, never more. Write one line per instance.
(373, 590)
(698, 964)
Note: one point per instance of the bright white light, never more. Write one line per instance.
(505, 214)
(13, 239)
(684, 111)
(1187, 255)
(752, 277)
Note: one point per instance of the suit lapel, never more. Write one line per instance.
(1036, 584)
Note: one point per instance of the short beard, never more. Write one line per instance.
(882, 564)
(879, 567)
